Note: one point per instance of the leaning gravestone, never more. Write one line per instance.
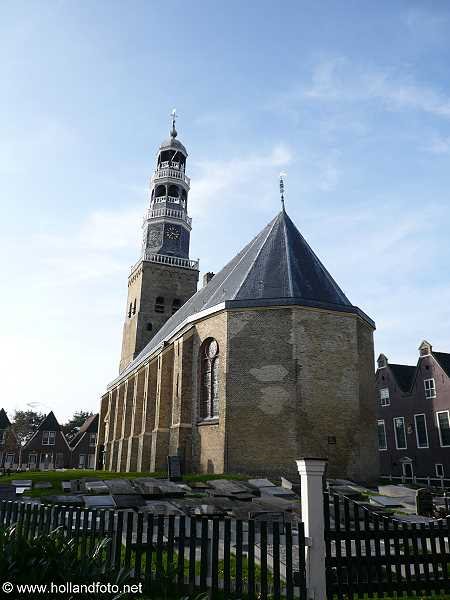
(424, 502)
(174, 468)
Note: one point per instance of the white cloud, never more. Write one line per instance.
(438, 145)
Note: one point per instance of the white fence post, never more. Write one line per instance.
(311, 471)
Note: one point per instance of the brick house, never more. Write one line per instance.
(413, 407)
(83, 444)
(9, 444)
(47, 448)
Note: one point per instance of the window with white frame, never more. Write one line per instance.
(384, 397)
(48, 438)
(439, 469)
(382, 441)
(92, 439)
(421, 431)
(400, 433)
(430, 388)
(443, 423)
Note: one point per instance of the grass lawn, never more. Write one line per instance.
(56, 477)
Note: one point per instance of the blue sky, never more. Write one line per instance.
(351, 99)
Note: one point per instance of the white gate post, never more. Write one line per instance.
(311, 471)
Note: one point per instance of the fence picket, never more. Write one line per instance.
(263, 547)
(149, 553)
(289, 570)
(226, 557)
(204, 553)
(215, 554)
(181, 544)
(129, 539)
(276, 560)
(192, 550)
(251, 560)
(238, 583)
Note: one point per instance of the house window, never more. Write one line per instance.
(382, 442)
(400, 433)
(9, 459)
(159, 304)
(209, 387)
(175, 305)
(91, 461)
(444, 427)
(421, 431)
(439, 470)
(48, 438)
(82, 461)
(2, 436)
(59, 460)
(430, 388)
(149, 326)
(92, 439)
(384, 397)
(32, 459)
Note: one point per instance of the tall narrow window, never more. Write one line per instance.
(430, 388)
(439, 470)
(400, 433)
(384, 397)
(134, 307)
(443, 423)
(209, 399)
(382, 442)
(175, 305)
(159, 304)
(421, 431)
(130, 310)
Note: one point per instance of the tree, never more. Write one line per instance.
(73, 425)
(26, 422)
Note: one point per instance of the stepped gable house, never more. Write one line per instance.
(9, 443)
(268, 362)
(414, 415)
(47, 448)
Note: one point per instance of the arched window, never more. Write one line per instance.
(209, 384)
(176, 305)
(130, 310)
(159, 304)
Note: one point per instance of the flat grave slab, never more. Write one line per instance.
(120, 486)
(97, 487)
(276, 504)
(278, 492)
(149, 490)
(199, 485)
(128, 501)
(228, 487)
(65, 500)
(397, 490)
(22, 483)
(99, 501)
(345, 490)
(385, 501)
(161, 507)
(243, 496)
(43, 485)
(260, 483)
(21, 490)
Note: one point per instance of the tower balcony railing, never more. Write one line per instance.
(172, 174)
(171, 199)
(176, 261)
(168, 212)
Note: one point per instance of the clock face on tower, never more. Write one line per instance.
(172, 232)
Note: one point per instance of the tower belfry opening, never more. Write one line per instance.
(164, 275)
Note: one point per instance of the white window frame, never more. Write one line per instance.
(426, 431)
(48, 438)
(395, 433)
(407, 464)
(436, 470)
(92, 440)
(385, 400)
(82, 463)
(381, 422)
(33, 455)
(440, 412)
(10, 462)
(430, 392)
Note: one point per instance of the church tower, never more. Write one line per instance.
(164, 277)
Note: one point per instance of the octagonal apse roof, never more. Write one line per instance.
(276, 268)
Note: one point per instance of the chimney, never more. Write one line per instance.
(207, 278)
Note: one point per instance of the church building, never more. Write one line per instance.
(268, 362)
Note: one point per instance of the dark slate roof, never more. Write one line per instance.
(404, 375)
(444, 361)
(276, 268)
(173, 143)
(91, 421)
(4, 421)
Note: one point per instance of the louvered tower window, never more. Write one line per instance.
(209, 399)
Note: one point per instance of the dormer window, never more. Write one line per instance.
(382, 361)
(384, 397)
(430, 388)
(48, 438)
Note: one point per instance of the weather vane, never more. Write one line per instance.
(174, 118)
(282, 188)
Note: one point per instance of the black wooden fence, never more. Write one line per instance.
(244, 557)
(369, 555)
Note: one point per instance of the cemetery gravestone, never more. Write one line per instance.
(174, 468)
(424, 503)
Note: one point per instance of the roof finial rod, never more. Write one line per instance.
(174, 115)
(282, 175)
